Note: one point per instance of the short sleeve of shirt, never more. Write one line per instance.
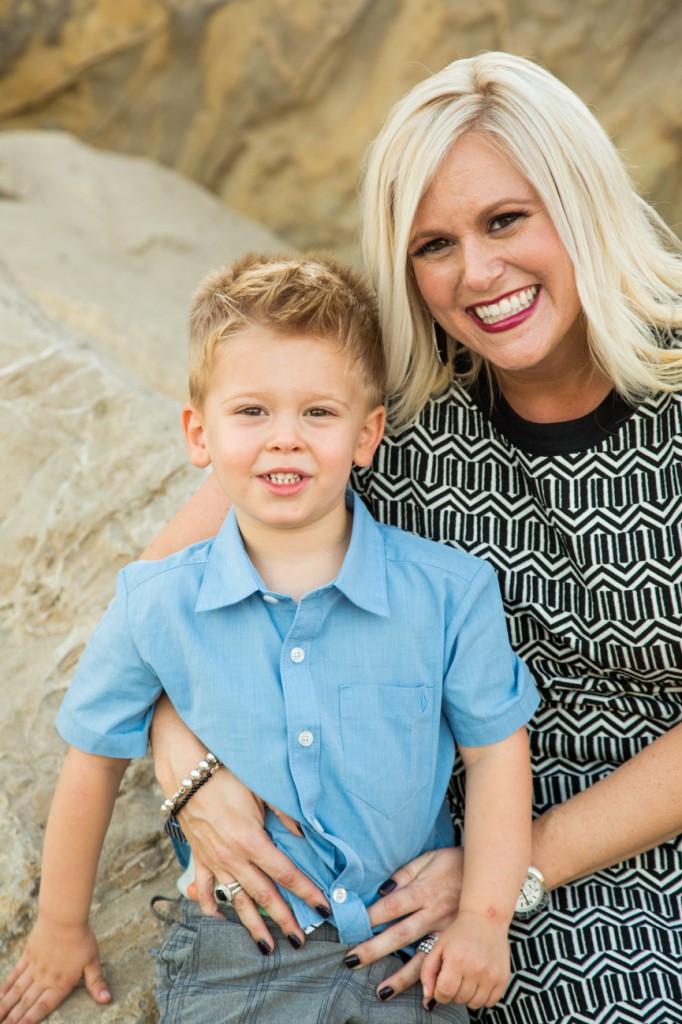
(489, 692)
(109, 704)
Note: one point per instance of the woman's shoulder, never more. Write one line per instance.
(404, 547)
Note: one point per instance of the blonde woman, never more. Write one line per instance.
(530, 303)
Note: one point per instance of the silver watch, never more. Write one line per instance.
(533, 894)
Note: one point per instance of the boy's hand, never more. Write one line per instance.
(469, 963)
(53, 963)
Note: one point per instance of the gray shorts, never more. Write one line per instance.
(209, 971)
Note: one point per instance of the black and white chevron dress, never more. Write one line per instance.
(583, 523)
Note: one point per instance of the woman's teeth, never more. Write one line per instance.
(515, 303)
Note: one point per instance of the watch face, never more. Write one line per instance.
(531, 895)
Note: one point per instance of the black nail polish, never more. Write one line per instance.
(300, 830)
(294, 941)
(385, 993)
(323, 912)
(351, 960)
(430, 1005)
(264, 948)
(389, 885)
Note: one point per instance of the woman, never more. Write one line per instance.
(542, 431)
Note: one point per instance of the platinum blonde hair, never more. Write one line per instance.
(628, 263)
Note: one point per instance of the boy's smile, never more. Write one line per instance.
(284, 420)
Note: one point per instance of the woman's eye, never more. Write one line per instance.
(505, 220)
(434, 245)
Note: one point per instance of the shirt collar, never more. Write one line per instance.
(230, 577)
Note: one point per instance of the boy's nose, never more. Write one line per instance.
(285, 437)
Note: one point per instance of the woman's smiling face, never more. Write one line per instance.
(492, 269)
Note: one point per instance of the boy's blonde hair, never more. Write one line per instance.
(312, 296)
(628, 264)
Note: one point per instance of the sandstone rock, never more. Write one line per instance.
(271, 104)
(92, 364)
(114, 246)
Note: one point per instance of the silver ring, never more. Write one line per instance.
(226, 892)
(428, 942)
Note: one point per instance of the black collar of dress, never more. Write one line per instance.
(552, 438)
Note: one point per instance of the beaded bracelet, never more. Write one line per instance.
(188, 787)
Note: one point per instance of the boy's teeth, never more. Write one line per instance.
(284, 478)
(497, 311)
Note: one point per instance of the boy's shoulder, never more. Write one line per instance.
(401, 546)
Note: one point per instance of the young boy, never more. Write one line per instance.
(331, 662)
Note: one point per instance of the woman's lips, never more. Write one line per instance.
(505, 312)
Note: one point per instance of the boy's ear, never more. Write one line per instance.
(370, 436)
(195, 436)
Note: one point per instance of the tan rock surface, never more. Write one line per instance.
(271, 104)
(93, 463)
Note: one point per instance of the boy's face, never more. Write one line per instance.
(283, 422)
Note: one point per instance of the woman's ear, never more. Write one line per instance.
(370, 436)
(195, 436)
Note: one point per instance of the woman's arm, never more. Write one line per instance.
(199, 519)
(223, 822)
(635, 808)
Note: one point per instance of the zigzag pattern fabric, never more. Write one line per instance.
(584, 528)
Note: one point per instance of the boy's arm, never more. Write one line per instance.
(62, 948)
(470, 961)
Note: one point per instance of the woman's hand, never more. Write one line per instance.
(224, 825)
(425, 897)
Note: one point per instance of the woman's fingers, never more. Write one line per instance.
(404, 978)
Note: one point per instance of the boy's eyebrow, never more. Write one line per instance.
(258, 396)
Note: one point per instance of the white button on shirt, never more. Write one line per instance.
(339, 895)
(270, 599)
(305, 738)
(297, 654)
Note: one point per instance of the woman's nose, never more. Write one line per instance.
(481, 265)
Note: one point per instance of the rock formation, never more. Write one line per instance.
(101, 255)
(271, 104)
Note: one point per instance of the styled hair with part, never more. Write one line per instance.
(627, 262)
(314, 296)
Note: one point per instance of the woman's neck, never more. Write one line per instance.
(554, 399)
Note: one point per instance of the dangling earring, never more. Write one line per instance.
(440, 343)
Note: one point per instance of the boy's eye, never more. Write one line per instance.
(319, 412)
(251, 410)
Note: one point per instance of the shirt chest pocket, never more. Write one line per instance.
(387, 734)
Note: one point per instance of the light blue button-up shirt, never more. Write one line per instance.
(342, 710)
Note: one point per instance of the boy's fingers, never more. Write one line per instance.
(95, 983)
(35, 1005)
